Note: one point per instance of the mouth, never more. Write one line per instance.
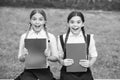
(37, 26)
(75, 28)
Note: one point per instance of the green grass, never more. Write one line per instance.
(105, 26)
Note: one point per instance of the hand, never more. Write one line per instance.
(84, 63)
(25, 52)
(22, 57)
(68, 62)
(52, 58)
(47, 52)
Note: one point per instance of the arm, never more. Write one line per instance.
(92, 53)
(53, 49)
(22, 51)
(92, 61)
(65, 62)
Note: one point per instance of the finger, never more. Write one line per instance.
(69, 60)
(83, 65)
(83, 60)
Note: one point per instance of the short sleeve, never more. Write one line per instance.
(53, 44)
(92, 47)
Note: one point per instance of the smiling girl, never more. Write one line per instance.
(76, 34)
(37, 30)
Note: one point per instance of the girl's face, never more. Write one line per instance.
(75, 24)
(37, 22)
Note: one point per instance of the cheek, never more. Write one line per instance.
(32, 22)
(70, 25)
(81, 24)
(42, 22)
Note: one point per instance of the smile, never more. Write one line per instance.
(37, 26)
(75, 28)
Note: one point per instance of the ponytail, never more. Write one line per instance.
(45, 28)
(28, 30)
(83, 31)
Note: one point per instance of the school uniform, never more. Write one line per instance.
(91, 51)
(39, 73)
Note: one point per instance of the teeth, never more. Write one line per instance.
(75, 28)
(37, 26)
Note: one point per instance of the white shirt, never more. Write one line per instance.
(79, 39)
(33, 35)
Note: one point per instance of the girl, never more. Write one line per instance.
(76, 34)
(37, 30)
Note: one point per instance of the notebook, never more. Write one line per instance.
(76, 51)
(36, 58)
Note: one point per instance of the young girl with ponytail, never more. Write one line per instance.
(76, 34)
(38, 30)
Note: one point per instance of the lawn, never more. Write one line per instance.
(105, 25)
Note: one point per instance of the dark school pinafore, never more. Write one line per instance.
(75, 75)
(35, 74)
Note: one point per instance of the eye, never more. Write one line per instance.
(78, 22)
(71, 21)
(41, 19)
(34, 18)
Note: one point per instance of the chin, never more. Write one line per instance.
(37, 30)
(76, 32)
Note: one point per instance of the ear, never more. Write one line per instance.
(30, 24)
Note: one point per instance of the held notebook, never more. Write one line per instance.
(36, 58)
(76, 51)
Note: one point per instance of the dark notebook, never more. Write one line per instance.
(76, 51)
(36, 58)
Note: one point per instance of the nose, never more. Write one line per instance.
(75, 24)
(37, 21)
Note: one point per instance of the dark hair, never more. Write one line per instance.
(42, 12)
(75, 13)
(72, 14)
(38, 11)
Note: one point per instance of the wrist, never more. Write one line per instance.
(92, 61)
(52, 58)
(61, 61)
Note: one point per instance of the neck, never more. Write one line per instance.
(38, 30)
(76, 34)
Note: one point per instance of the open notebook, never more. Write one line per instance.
(36, 58)
(76, 51)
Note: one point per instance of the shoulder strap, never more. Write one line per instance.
(88, 43)
(62, 42)
(88, 39)
(63, 46)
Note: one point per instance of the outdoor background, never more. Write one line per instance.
(102, 18)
